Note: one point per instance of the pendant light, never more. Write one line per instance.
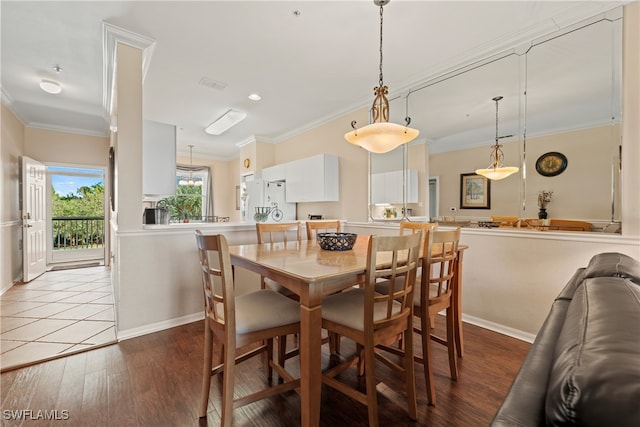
(191, 183)
(381, 136)
(496, 169)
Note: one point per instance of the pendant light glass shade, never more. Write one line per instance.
(381, 136)
(497, 173)
(496, 170)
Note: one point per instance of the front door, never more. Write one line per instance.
(34, 225)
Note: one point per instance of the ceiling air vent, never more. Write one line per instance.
(213, 84)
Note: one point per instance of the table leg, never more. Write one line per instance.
(310, 364)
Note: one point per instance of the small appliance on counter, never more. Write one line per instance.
(314, 217)
(157, 215)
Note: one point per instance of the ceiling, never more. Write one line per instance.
(310, 61)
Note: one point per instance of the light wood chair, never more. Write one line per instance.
(275, 233)
(371, 319)
(569, 225)
(505, 221)
(315, 227)
(232, 322)
(436, 293)
(278, 232)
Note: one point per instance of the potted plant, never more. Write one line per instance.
(544, 198)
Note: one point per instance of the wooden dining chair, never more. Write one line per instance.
(232, 322)
(315, 227)
(370, 318)
(276, 233)
(505, 221)
(435, 294)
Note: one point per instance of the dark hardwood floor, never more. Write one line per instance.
(154, 381)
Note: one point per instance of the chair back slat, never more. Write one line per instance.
(315, 227)
(217, 279)
(395, 258)
(278, 232)
(440, 262)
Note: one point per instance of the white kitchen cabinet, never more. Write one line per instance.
(275, 173)
(313, 179)
(386, 187)
(378, 189)
(158, 159)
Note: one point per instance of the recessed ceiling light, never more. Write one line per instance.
(50, 86)
(255, 97)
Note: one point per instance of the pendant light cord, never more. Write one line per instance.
(380, 77)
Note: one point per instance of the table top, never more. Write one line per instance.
(305, 260)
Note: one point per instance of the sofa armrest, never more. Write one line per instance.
(524, 404)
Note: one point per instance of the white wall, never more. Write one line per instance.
(11, 149)
(581, 192)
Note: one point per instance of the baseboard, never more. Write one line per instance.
(126, 334)
(501, 329)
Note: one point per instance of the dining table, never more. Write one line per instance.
(311, 273)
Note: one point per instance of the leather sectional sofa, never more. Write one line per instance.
(583, 368)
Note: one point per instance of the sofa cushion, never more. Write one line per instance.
(613, 264)
(595, 379)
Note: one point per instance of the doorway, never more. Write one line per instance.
(76, 214)
(434, 197)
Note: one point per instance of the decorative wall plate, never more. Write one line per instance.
(247, 163)
(551, 164)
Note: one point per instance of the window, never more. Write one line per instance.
(192, 201)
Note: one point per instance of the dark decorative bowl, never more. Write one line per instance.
(336, 241)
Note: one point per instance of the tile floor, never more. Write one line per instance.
(59, 312)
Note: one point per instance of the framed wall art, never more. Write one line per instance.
(475, 191)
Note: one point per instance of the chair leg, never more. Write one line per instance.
(206, 370)
(425, 324)
(228, 385)
(409, 371)
(282, 349)
(370, 377)
(270, 359)
(451, 346)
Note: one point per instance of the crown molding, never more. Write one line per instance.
(66, 129)
(111, 36)
(7, 100)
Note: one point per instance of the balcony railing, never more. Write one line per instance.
(78, 232)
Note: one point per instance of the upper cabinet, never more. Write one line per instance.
(158, 159)
(274, 173)
(313, 179)
(387, 188)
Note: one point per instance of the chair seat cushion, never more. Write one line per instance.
(264, 309)
(347, 308)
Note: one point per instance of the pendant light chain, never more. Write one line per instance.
(496, 99)
(380, 77)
